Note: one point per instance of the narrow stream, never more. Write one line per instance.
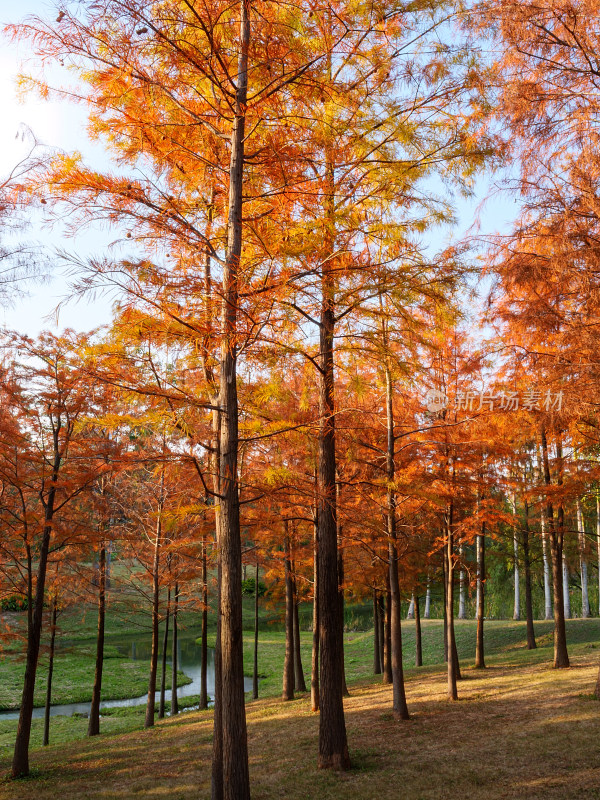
(138, 649)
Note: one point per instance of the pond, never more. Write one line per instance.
(138, 649)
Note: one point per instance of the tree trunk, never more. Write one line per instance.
(418, 637)
(555, 533)
(565, 582)
(427, 612)
(94, 721)
(163, 666)
(255, 662)
(149, 720)
(583, 568)
(396, 670)
(452, 661)
(517, 605)
(479, 646)
(46, 740)
(462, 594)
(376, 646)
(531, 645)
(381, 620)
(235, 776)
(20, 762)
(410, 614)
(445, 596)
(547, 584)
(174, 654)
(387, 641)
(204, 641)
(288, 664)
(314, 671)
(299, 682)
(333, 745)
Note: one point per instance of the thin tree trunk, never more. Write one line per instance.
(566, 592)
(299, 682)
(531, 645)
(20, 762)
(410, 614)
(452, 661)
(462, 594)
(204, 640)
(174, 654)
(445, 596)
(376, 646)
(394, 651)
(387, 642)
(94, 720)
(517, 604)
(149, 720)
(46, 740)
(288, 664)
(479, 643)
(163, 665)
(583, 568)
(314, 672)
(418, 637)
(381, 619)
(547, 582)
(255, 662)
(427, 612)
(555, 534)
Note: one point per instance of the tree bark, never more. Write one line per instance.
(479, 643)
(46, 739)
(547, 584)
(427, 612)
(376, 646)
(314, 672)
(517, 605)
(288, 663)
(204, 641)
(255, 662)
(418, 637)
(381, 620)
(163, 666)
(531, 645)
(555, 538)
(396, 670)
(149, 720)
(299, 682)
(333, 745)
(174, 654)
(583, 568)
(387, 641)
(452, 676)
(235, 776)
(94, 720)
(462, 594)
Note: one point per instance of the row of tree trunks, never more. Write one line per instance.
(204, 635)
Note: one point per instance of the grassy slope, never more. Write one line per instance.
(521, 730)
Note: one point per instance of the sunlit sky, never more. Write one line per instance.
(61, 125)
